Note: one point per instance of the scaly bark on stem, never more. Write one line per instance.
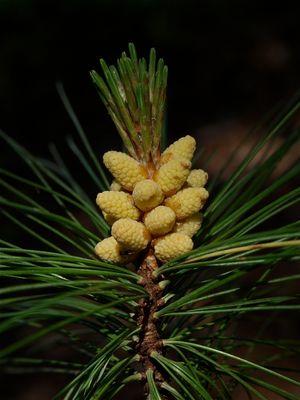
(149, 339)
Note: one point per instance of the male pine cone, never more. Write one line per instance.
(159, 209)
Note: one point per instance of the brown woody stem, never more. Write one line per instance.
(149, 339)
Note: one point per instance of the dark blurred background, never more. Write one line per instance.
(229, 63)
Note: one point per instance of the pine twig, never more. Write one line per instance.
(149, 340)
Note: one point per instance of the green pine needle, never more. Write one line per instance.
(135, 94)
(242, 272)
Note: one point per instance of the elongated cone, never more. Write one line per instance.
(115, 186)
(172, 175)
(160, 220)
(118, 205)
(197, 178)
(187, 202)
(147, 194)
(109, 250)
(131, 235)
(172, 245)
(108, 218)
(183, 148)
(190, 225)
(125, 169)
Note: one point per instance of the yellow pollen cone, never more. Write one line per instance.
(108, 218)
(172, 175)
(160, 220)
(183, 147)
(197, 178)
(125, 169)
(190, 225)
(131, 235)
(109, 250)
(187, 202)
(172, 245)
(115, 186)
(118, 205)
(147, 194)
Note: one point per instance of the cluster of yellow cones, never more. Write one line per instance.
(156, 207)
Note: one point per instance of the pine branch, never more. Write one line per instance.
(149, 337)
(173, 327)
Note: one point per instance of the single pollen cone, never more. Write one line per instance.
(118, 205)
(147, 194)
(108, 218)
(183, 148)
(187, 202)
(160, 220)
(115, 186)
(109, 250)
(190, 225)
(197, 178)
(172, 245)
(125, 169)
(131, 235)
(172, 175)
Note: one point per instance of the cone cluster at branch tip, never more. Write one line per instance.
(145, 209)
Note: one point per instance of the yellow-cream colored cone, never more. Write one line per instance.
(172, 175)
(171, 246)
(183, 148)
(160, 220)
(109, 250)
(187, 202)
(190, 225)
(108, 218)
(131, 235)
(147, 194)
(125, 169)
(197, 178)
(115, 186)
(118, 205)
